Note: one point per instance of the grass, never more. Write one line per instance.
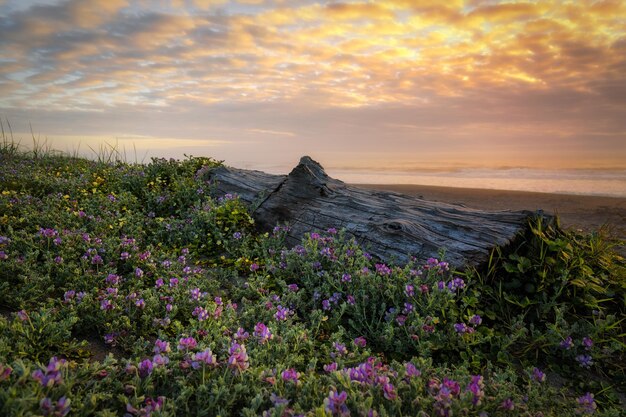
(135, 288)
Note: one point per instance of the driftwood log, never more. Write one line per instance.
(391, 226)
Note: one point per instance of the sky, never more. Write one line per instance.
(378, 85)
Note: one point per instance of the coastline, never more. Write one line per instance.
(580, 212)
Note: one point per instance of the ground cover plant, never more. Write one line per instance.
(128, 289)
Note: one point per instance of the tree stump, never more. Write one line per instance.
(391, 226)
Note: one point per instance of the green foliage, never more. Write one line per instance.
(130, 288)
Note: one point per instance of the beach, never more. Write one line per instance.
(579, 212)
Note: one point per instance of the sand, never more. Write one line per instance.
(586, 213)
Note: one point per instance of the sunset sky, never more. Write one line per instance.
(400, 84)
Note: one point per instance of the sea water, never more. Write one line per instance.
(610, 183)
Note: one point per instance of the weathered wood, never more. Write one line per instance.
(392, 226)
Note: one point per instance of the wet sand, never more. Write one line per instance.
(578, 212)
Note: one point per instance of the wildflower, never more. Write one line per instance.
(325, 305)
(290, 375)
(408, 308)
(112, 279)
(456, 284)
(204, 357)
(59, 409)
(587, 343)
(401, 319)
(161, 346)
(150, 405)
(138, 272)
(173, 282)
(237, 235)
(241, 334)
(140, 304)
(411, 370)
(335, 403)
(158, 283)
(507, 405)
(538, 375)
(476, 387)
(282, 313)
(254, 267)
(160, 360)
(51, 375)
(262, 333)
(383, 269)
(124, 256)
(340, 350)
(409, 290)
(389, 391)
(460, 328)
(238, 359)
(567, 343)
(195, 294)
(331, 367)
(587, 404)
(5, 372)
(58, 260)
(585, 360)
(475, 320)
(277, 401)
(97, 260)
(168, 307)
(69, 296)
(145, 368)
(360, 341)
(106, 305)
(187, 343)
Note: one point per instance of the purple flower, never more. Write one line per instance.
(97, 260)
(460, 328)
(112, 279)
(325, 305)
(411, 370)
(51, 375)
(567, 343)
(293, 287)
(408, 308)
(278, 401)
(5, 372)
(238, 359)
(241, 334)
(401, 319)
(456, 284)
(282, 313)
(254, 267)
(160, 360)
(587, 343)
(409, 290)
(290, 375)
(476, 387)
(106, 305)
(204, 358)
(476, 320)
(585, 360)
(138, 272)
(145, 368)
(237, 235)
(346, 278)
(140, 304)
(187, 343)
(507, 405)
(340, 350)
(59, 409)
(124, 256)
(161, 346)
(587, 404)
(383, 269)
(335, 403)
(173, 282)
(538, 375)
(69, 296)
(331, 367)
(262, 333)
(58, 260)
(350, 300)
(389, 391)
(360, 341)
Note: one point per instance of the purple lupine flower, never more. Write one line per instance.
(140, 304)
(290, 375)
(262, 333)
(456, 284)
(195, 294)
(325, 305)
(476, 387)
(144, 255)
(59, 409)
(346, 278)
(238, 359)
(168, 307)
(476, 320)
(51, 375)
(587, 343)
(173, 282)
(138, 272)
(585, 360)
(441, 285)
(460, 328)
(69, 296)
(389, 391)
(508, 404)
(254, 267)
(112, 279)
(145, 368)
(161, 346)
(586, 403)
(293, 287)
(350, 300)
(360, 341)
(383, 269)
(5, 372)
(331, 367)
(282, 313)
(340, 350)
(278, 401)
(187, 343)
(158, 283)
(538, 375)
(409, 290)
(160, 360)
(58, 260)
(166, 264)
(411, 370)
(106, 305)
(241, 334)
(401, 319)
(218, 301)
(408, 308)
(204, 357)
(97, 260)
(567, 343)
(335, 403)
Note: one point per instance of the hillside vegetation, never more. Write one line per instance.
(127, 289)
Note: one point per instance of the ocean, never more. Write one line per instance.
(597, 182)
